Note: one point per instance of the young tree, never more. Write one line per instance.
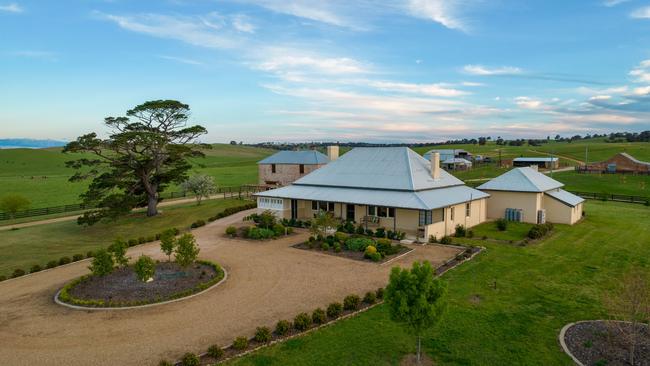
(118, 250)
(629, 307)
(102, 263)
(186, 250)
(201, 185)
(13, 203)
(146, 151)
(168, 242)
(145, 268)
(415, 298)
(323, 222)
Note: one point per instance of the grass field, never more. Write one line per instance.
(539, 289)
(634, 185)
(514, 231)
(39, 244)
(41, 175)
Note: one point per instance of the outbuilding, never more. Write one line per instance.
(284, 167)
(539, 161)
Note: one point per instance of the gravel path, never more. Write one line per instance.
(267, 281)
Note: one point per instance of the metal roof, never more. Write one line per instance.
(566, 197)
(533, 159)
(457, 161)
(422, 200)
(296, 157)
(521, 180)
(444, 153)
(387, 168)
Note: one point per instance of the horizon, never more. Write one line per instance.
(294, 71)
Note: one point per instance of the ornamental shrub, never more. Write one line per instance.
(432, 239)
(231, 231)
(351, 302)
(215, 352)
(334, 310)
(369, 232)
(358, 244)
(90, 254)
(370, 250)
(460, 231)
(151, 238)
(168, 242)
(381, 232)
(282, 327)
(102, 263)
(266, 220)
(379, 293)
(337, 248)
(445, 240)
(190, 359)
(470, 233)
(502, 224)
(17, 273)
(77, 257)
(302, 321)
(144, 268)
(361, 230)
(318, 316)
(240, 343)
(64, 260)
(118, 250)
(370, 297)
(132, 242)
(325, 247)
(51, 264)
(278, 229)
(375, 257)
(141, 240)
(259, 233)
(341, 237)
(263, 334)
(186, 250)
(35, 268)
(197, 223)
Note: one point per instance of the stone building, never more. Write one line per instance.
(284, 167)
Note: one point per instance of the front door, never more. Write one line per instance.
(349, 212)
(294, 209)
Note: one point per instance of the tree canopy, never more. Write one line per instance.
(146, 151)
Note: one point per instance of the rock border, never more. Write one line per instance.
(77, 307)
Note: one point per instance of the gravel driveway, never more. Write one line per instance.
(267, 281)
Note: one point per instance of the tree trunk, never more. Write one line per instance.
(152, 204)
(419, 342)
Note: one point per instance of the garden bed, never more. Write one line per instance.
(122, 287)
(351, 254)
(599, 343)
(459, 258)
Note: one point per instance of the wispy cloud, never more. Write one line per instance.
(641, 73)
(611, 3)
(11, 8)
(288, 61)
(445, 12)
(488, 71)
(181, 60)
(327, 12)
(641, 13)
(436, 90)
(243, 23)
(35, 54)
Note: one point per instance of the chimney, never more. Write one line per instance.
(333, 152)
(534, 167)
(435, 165)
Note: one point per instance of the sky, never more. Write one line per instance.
(306, 70)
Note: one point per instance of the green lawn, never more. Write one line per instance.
(515, 231)
(39, 244)
(540, 288)
(635, 185)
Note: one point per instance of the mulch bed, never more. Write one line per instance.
(358, 256)
(122, 285)
(456, 260)
(600, 343)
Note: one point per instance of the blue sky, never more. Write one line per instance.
(295, 70)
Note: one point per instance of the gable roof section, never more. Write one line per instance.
(296, 157)
(533, 159)
(565, 197)
(521, 180)
(388, 168)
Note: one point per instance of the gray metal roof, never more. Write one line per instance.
(521, 180)
(566, 197)
(533, 159)
(444, 153)
(391, 168)
(296, 157)
(457, 161)
(422, 200)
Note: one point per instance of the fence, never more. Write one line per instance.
(612, 197)
(245, 191)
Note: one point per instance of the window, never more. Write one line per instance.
(302, 168)
(381, 211)
(273, 168)
(451, 213)
(322, 206)
(468, 209)
(372, 210)
(425, 217)
(391, 212)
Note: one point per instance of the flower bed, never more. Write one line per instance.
(357, 247)
(122, 288)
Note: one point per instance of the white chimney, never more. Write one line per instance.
(435, 165)
(333, 152)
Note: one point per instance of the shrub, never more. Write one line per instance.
(375, 257)
(165, 363)
(3, 278)
(263, 334)
(460, 231)
(102, 264)
(369, 232)
(142, 240)
(132, 242)
(470, 233)
(190, 359)
(215, 352)
(17, 273)
(77, 257)
(432, 239)
(301, 322)
(51, 264)
(168, 242)
(279, 229)
(197, 223)
(370, 297)
(240, 343)
(90, 254)
(266, 220)
(540, 230)
(351, 302)
(231, 231)
(259, 233)
(318, 316)
(341, 237)
(334, 310)
(370, 250)
(381, 232)
(360, 230)
(358, 244)
(337, 248)
(325, 247)
(282, 327)
(502, 224)
(64, 260)
(400, 235)
(186, 250)
(379, 293)
(144, 268)
(312, 239)
(445, 240)
(118, 250)
(151, 238)
(35, 268)
(386, 247)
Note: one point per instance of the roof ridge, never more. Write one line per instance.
(410, 168)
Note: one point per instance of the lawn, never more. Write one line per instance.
(635, 185)
(39, 244)
(515, 231)
(539, 288)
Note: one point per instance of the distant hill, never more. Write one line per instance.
(29, 143)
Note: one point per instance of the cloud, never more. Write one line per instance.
(641, 13)
(444, 12)
(488, 71)
(641, 73)
(319, 11)
(528, 103)
(437, 90)
(181, 60)
(12, 8)
(287, 61)
(242, 23)
(611, 3)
